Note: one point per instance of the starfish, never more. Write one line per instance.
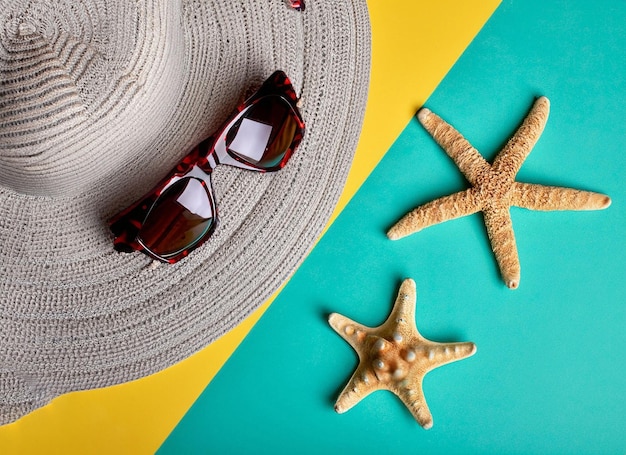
(494, 189)
(394, 356)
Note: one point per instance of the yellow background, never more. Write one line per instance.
(414, 44)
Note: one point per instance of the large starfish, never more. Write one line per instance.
(394, 356)
(494, 189)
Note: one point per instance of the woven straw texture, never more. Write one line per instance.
(98, 100)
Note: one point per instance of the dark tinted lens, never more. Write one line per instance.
(263, 134)
(181, 216)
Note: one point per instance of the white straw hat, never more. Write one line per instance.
(99, 99)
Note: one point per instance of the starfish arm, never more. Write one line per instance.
(443, 209)
(500, 231)
(540, 197)
(360, 385)
(401, 320)
(442, 353)
(466, 157)
(412, 395)
(351, 331)
(510, 159)
(430, 355)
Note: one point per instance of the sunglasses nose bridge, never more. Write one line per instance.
(206, 156)
(208, 164)
(220, 155)
(203, 173)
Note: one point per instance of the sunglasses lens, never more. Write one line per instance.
(263, 134)
(180, 217)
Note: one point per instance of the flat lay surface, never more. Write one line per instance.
(548, 372)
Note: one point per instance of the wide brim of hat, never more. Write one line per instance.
(75, 314)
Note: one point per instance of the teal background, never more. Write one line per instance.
(549, 374)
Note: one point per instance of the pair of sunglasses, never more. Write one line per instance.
(179, 214)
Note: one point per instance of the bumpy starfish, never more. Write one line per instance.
(494, 189)
(394, 356)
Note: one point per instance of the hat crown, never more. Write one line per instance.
(78, 80)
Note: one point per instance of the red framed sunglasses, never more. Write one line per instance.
(179, 214)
